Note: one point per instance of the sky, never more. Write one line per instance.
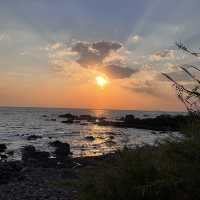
(52, 51)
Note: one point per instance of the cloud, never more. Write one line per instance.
(102, 57)
(145, 81)
(4, 37)
(53, 47)
(163, 55)
(135, 39)
(62, 54)
(94, 53)
(176, 75)
(146, 87)
(117, 71)
(56, 45)
(114, 58)
(104, 48)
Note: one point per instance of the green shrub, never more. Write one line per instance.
(169, 171)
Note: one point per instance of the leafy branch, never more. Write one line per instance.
(189, 97)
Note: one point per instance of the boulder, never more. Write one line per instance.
(90, 138)
(129, 118)
(3, 147)
(68, 116)
(69, 121)
(34, 137)
(87, 118)
(62, 150)
(29, 153)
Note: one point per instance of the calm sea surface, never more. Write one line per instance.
(16, 124)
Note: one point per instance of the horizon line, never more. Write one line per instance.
(85, 108)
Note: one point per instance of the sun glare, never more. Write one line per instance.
(101, 81)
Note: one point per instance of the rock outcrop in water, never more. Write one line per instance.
(73, 118)
(159, 123)
(34, 137)
(90, 138)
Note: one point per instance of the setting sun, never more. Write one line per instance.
(101, 81)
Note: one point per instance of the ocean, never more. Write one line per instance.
(16, 124)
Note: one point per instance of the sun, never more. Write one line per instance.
(101, 81)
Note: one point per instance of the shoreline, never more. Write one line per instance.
(37, 176)
(38, 180)
(161, 124)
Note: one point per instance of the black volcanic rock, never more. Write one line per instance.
(10, 153)
(90, 138)
(69, 121)
(62, 150)
(34, 137)
(160, 123)
(129, 118)
(9, 171)
(2, 148)
(73, 118)
(29, 153)
(68, 116)
(55, 143)
(87, 118)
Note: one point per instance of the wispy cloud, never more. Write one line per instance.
(167, 54)
(4, 37)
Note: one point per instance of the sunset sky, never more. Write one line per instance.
(52, 51)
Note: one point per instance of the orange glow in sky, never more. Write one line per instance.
(90, 56)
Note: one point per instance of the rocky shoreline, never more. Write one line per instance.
(159, 123)
(37, 175)
(162, 122)
(20, 181)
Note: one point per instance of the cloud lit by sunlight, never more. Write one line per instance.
(65, 51)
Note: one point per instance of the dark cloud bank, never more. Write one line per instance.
(93, 54)
(118, 72)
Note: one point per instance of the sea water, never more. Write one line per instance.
(16, 124)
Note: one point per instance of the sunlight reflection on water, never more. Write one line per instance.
(16, 124)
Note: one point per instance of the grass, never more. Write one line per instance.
(169, 171)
